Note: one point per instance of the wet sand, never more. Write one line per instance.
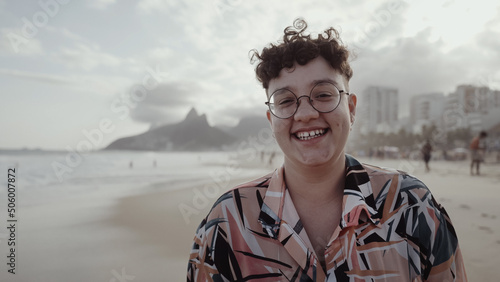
(145, 237)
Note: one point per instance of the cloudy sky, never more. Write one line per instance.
(72, 69)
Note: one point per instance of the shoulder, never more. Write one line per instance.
(243, 201)
(382, 176)
(474, 142)
(396, 185)
(381, 184)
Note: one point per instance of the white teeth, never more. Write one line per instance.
(306, 135)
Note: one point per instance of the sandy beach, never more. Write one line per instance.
(145, 237)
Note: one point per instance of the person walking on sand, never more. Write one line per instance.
(477, 149)
(322, 215)
(426, 154)
(271, 158)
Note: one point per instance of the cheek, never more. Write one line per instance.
(340, 121)
(280, 126)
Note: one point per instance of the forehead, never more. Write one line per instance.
(302, 78)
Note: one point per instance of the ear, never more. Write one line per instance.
(353, 100)
(268, 113)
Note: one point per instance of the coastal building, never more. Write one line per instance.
(379, 109)
(474, 107)
(426, 109)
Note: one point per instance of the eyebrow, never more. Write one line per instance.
(311, 84)
(314, 82)
(339, 87)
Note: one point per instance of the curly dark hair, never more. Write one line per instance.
(301, 48)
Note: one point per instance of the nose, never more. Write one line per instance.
(305, 110)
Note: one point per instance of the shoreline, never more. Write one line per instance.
(142, 232)
(475, 217)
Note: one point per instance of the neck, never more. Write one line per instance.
(318, 184)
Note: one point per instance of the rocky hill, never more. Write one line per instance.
(192, 134)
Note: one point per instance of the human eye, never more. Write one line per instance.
(283, 99)
(286, 101)
(323, 96)
(324, 92)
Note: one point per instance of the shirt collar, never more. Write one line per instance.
(358, 203)
(280, 220)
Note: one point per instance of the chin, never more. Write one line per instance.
(316, 159)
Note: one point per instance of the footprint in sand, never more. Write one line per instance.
(488, 216)
(464, 206)
(442, 200)
(486, 228)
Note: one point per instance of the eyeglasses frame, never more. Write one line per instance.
(309, 99)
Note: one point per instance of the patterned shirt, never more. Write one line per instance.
(391, 229)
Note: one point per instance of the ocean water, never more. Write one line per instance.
(71, 224)
(44, 177)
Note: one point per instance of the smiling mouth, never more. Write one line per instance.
(307, 135)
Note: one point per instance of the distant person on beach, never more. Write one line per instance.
(426, 154)
(322, 215)
(477, 149)
(271, 158)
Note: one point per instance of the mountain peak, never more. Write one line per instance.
(192, 115)
(194, 118)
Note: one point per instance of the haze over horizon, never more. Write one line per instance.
(123, 66)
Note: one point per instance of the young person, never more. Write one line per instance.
(426, 154)
(477, 147)
(322, 216)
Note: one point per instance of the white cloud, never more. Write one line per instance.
(160, 54)
(87, 57)
(13, 42)
(71, 83)
(454, 22)
(149, 6)
(165, 102)
(100, 4)
(67, 34)
(43, 77)
(428, 46)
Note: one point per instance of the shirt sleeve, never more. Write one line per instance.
(203, 263)
(196, 269)
(212, 257)
(431, 229)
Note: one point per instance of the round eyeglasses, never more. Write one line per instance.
(324, 97)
